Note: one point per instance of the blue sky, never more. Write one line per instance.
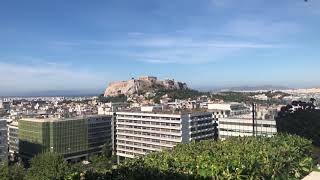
(83, 45)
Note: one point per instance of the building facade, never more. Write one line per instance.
(74, 138)
(139, 133)
(221, 110)
(243, 126)
(13, 138)
(3, 142)
(236, 119)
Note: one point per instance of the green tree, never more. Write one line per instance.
(4, 172)
(280, 157)
(17, 171)
(304, 122)
(13, 172)
(100, 163)
(118, 98)
(106, 150)
(48, 166)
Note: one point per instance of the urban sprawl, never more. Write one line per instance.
(136, 117)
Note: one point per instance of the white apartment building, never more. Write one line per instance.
(221, 110)
(242, 125)
(139, 133)
(235, 119)
(13, 138)
(3, 142)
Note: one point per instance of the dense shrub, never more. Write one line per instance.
(279, 157)
(303, 122)
(12, 172)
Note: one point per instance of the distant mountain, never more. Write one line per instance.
(142, 84)
(256, 88)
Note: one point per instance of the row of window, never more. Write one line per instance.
(244, 131)
(246, 124)
(149, 128)
(202, 127)
(147, 140)
(192, 123)
(149, 117)
(135, 149)
(201, 134)
(150, 123)
(140, 144)
(149, 134)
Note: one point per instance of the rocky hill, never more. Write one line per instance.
(143, 84)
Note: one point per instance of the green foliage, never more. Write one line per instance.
(119, 98)
(177, 94)
(303, 122)
(17, 171)
(48, 166)
(4, 172)
(279, 157)
(243, 97)
(14, 172)
(101, 163)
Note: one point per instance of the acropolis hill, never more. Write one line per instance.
(142, 84)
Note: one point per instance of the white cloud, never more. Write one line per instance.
(191, 51)
(47, 76)
(167, 42)
(229, 39)
(180, 49)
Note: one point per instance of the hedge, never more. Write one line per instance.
(279, 157)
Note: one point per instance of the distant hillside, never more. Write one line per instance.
(143, 84)
(256, 88)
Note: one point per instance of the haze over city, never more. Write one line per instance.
(81, 46)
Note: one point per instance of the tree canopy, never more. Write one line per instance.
(304, 121)
(119, 98)
(14, 172)
(48, 166)
(278, 157)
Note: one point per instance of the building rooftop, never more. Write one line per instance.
(14, 123)
(60, 119)
(167, 111)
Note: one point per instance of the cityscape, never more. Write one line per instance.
(162, 90)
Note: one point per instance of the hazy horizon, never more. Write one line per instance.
(93, 92)
(81, 45)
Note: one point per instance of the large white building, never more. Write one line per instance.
(221, 110)
(242, 125)
(139, 133)
(235, 119)
(3, 142)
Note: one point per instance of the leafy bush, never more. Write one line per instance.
(303, 122)
(12, 172)
(279, 157)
